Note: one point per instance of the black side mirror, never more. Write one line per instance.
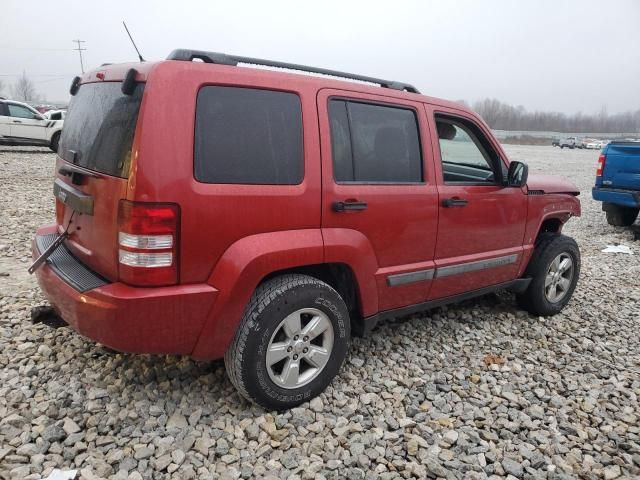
(518, 174)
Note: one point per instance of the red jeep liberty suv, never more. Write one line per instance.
(215, 209)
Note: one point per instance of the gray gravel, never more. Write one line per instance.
(415, 400)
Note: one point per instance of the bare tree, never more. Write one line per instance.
(24, 89)
(1, 87)
(502, 116)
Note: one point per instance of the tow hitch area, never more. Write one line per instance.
(47, 316)
(47, 253)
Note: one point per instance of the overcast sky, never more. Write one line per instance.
(556, 55)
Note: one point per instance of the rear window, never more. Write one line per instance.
(99, 126)
(248, 136)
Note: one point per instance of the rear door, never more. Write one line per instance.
(97, 139)
(378, 181)
(481, 222)
(24, 123)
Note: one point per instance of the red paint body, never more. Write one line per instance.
(233, 236)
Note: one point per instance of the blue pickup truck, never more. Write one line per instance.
(618, 182)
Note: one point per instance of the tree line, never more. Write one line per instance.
(502, 116)
(22, 89)
(497, 114)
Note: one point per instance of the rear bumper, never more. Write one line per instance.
(625, 198)
(165, 320)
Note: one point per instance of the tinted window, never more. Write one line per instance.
(249, 136)
(374, 143)
(20, 111)
(464, 156)
(99, 127)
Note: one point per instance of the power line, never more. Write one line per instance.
(80, 50)
(38, 74)
(11, 47)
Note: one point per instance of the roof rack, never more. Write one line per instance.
(233, 60)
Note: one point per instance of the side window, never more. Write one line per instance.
(374, 143)
(466, 155)
(248, 136)
(19, 111)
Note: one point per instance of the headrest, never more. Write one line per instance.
(446, 131)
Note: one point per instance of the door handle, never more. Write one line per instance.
(454, 202)
(17, 121)
(349, 206)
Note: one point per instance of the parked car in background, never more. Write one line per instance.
(21, 124)
(283, 214)
(44, 108)
(618, 182)
(555, 142)
(55, 114)
(569, 142)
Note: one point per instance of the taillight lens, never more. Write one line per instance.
(601, 161)
(148, 243)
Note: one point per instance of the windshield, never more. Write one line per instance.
(99, 127)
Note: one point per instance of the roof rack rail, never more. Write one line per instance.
(233, 60)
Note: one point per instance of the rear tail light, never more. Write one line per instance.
(148, 243)
(601, 161)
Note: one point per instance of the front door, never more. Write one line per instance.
(379, 189)
(481, 221)
(25, 124)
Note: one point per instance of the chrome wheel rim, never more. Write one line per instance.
(299, 348)
(558, 279)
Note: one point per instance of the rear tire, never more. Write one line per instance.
(277, 358)
(55, 141)
(620, 216)
(554, 269)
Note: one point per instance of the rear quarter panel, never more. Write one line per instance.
(215, 216)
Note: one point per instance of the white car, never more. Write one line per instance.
(21, 124)
(55, 114)
(594, 144)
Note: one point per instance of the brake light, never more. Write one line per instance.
(601, 161)
(148, 243)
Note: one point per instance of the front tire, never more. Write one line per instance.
(554, 269)
(55, 141)
(291, 342)
(618, 216)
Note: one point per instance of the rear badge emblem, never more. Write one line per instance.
(62, 195)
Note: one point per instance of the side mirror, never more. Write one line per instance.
(38, 117)
(518, 174)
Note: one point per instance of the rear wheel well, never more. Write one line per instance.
(341, 278)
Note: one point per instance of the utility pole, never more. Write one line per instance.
(80, 50)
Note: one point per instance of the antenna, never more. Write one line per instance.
(134, 43)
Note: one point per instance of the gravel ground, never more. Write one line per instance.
(416, 399)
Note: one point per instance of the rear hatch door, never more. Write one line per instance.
(93, 169)
(622, 167)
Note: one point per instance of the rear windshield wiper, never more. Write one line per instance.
(69, 169)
